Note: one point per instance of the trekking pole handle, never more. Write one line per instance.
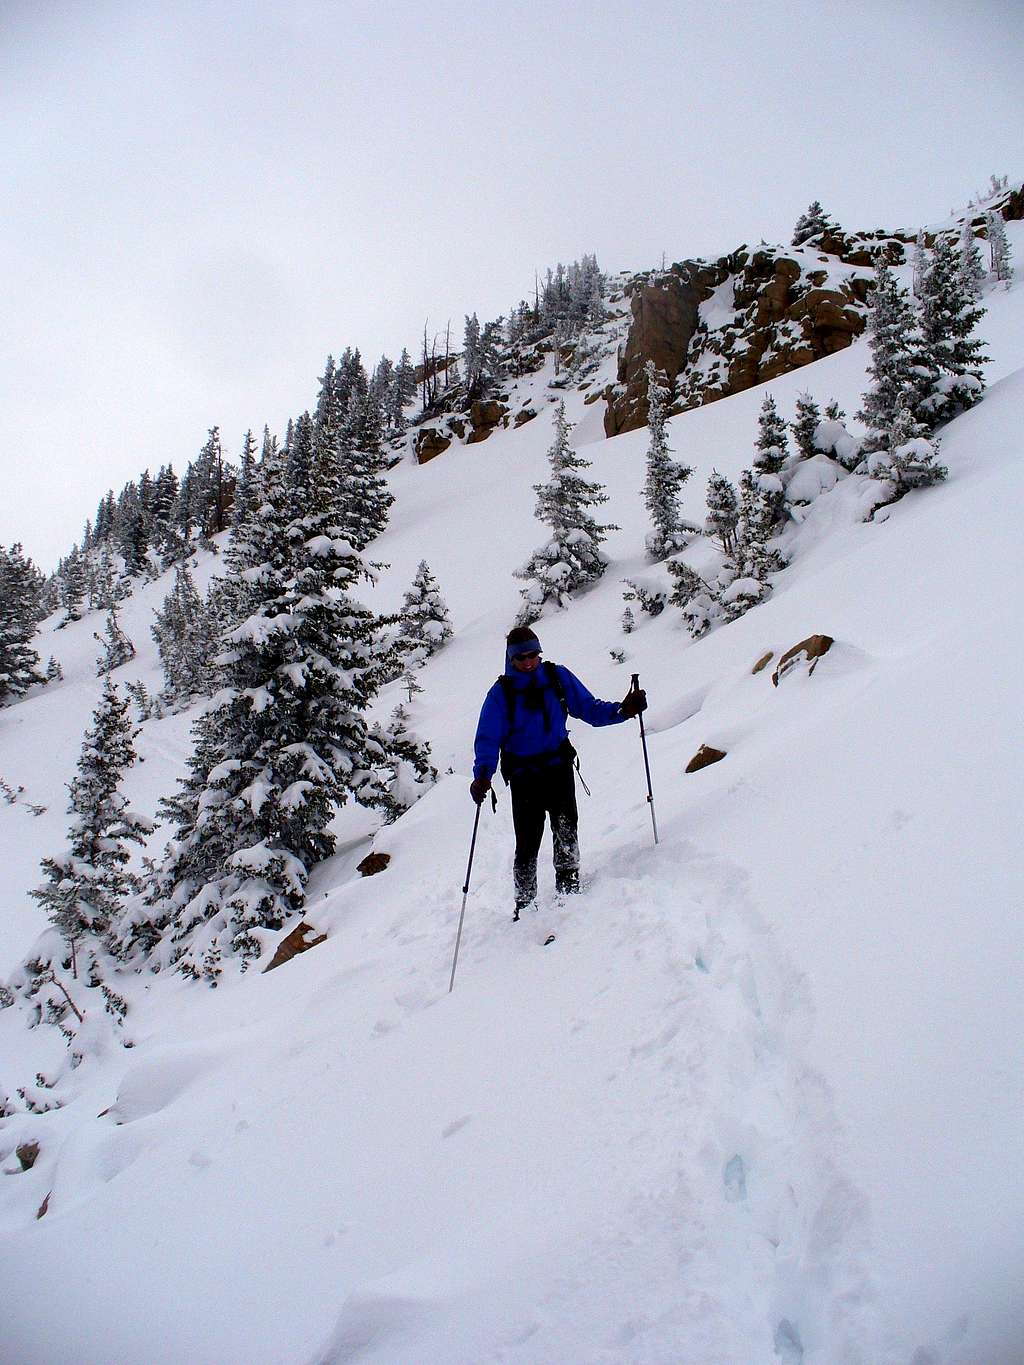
(634, 686)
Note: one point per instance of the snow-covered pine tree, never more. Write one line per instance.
(999, 248)
(299, 468)
(409, 684)
(71, 589)
(970, 270)
(665, 477)
(949, 316)
(366, 499)
(811, 223)
(88, 881)
(20, 584)
(187, 635)
(285, 744)
(117, 648)
(900, 374)
(912, 457)
(723, 512)
(408, 771)
(164, 537)
(919, 263)
(804, 425)
(101, 579)
(572, 558)
(772, 453)
(403, 391)
(754, 560)
(699, 602)
(424, 622)
(244, 502)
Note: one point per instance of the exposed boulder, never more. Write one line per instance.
(26, 1154)
(704, 757)
(527, 415)
(299, 940)
(763, 662)
(484, 415)
(430, 443)
(807, 651)
(373, 863)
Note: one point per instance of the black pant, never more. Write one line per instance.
(545, 791)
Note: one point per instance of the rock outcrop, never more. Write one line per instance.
(429, 444)
(715, 328)
(807, 651)
(373, 863)
(299, 940)
(704, 757)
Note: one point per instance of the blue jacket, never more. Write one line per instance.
(537, 729)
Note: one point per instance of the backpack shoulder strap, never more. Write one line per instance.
(555, 683)
(505, 683)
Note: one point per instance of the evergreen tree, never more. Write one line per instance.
(117, 648)
(900, 375)
(912, 458)
(970, 271)
(365, 497)
(285, 745)
(948, 318)
(164, 535)
(812, 223)
(472, 358)
(572, 558)
(244, 504)
(88, 881)
(999, 248)
(101, 579)
(408, 771)
(71, 575)
(424, 623)
(403, 392)
(20, 585)
(805, 424)
(130, 529)
(665, 477)
(723, 512)
(186, 632)
(772, 453)
(919, 263)
(299, 469)
(699, 602)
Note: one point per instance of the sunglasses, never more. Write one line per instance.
(534, 654)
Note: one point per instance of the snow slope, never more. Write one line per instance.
(761, 1100)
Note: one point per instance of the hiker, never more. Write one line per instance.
(522, 721)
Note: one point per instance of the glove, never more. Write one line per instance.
(479, 788)
(633, 703)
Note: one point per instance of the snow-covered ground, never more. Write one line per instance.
(761, 1099)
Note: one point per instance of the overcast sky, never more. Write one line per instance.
(201, 200)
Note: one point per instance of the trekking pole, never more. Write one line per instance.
(635, 687)
(465, 889)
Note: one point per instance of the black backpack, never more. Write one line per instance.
(511, 766)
